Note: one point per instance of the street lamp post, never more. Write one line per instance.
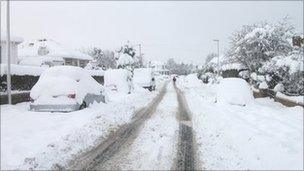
(8, 43)
(218, 56)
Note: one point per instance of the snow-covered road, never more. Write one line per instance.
(261, 135)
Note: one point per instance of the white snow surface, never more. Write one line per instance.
(155, 146)
(263, 135)
(235, 91)
(38, 140)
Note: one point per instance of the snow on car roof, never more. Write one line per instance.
(142, 75)
(63, 80)
(52, 48)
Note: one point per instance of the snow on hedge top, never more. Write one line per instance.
(35, 70)
(64, 80)
(125, 59)
(142, 76)
(235, 91)
(22, 70)
(13, 38)
(48, 47)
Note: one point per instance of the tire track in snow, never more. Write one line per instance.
(185, 159)
(112, 145)
(155, 146)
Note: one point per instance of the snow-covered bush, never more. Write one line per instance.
(255, 44)
(209, 77)
(287, 70)
(235, 91)
(125, 61)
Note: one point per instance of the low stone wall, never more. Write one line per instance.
(272, 94)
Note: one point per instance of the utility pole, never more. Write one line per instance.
(218, 56)
(139, 50)
(8, 43)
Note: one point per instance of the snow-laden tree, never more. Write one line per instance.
(179, 68)
(255, 44)
(209, 57)
(129, 49)
(101, 58)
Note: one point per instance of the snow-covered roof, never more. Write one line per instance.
(13, 38)
(50, 48)
(226, 63)
(39, 60)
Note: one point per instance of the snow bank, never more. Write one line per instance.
(64, 80)
(40, 140)
(263, 135)
(235, 91)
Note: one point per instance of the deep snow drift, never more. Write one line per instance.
(39, 140)
(261, 135)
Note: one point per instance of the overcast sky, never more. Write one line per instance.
(182, 30)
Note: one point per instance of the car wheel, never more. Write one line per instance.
(83, 105)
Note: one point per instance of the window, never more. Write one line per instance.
(68, 61)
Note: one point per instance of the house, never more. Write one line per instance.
(228, 67)
(48, 52)
(14, 42)
(159, 67)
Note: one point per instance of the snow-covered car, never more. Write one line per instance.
(65, 89)
(117, 81)
(144, 77)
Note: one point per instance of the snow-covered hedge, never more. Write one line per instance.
(25, 77)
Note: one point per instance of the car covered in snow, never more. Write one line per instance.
(65, 89)
(117, 82)
(144, 77)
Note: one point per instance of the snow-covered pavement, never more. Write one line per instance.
(261, 135)
(40, 140)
